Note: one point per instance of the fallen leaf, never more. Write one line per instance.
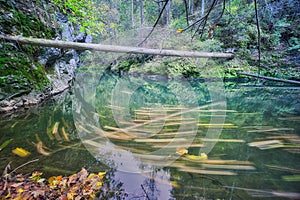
(181, 151)
(202, 156)
(4, 144)
(21, 152)
(41, 150)
(15, 185)
(175, 184)
(55, 131)
(64, 133)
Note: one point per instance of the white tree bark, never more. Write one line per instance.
(132, 13)
(202, 7)
(142, 12)
(112, 48)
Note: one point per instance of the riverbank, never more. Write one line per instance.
(29, 75)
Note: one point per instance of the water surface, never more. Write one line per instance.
(137, 128)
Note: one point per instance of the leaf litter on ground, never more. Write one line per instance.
(81, 185)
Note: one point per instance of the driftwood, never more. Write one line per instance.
(270, 78)
(112, 48)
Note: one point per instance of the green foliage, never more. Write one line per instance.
(279, 40)
(294, 44)
(178, 23)
(232, 67)
(84, 13)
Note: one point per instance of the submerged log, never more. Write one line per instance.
(112, 48)
(270, 78)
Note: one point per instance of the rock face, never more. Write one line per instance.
(59, 66)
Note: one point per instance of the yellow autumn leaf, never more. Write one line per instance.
(51, 179)
(175, 184)
(98, 184)
(90, 176)
(101, 174)
(20, 190)
(7, 196)
(202, 156)
(37, 173)
(70, 195)
(21, 152)
(179, 30)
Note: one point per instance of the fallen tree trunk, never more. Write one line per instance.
(112, 48)
(270, 78)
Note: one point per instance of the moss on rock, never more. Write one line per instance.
(19, 66)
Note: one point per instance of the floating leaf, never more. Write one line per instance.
(181, 151)
(267, 144)
(218, 125)
(4, 144)
(201, 171)
(41, 150)
(21, 152)
(55, 131)
(65, 135)
(291, 177)
(175, 184)
(202, 156)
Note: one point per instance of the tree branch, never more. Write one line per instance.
(205, 19)
(270, 78)
(155, 24)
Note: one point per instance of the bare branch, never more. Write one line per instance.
(204, 19)
(258, 35)
(155, 24)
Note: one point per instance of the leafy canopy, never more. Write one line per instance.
(86, 13)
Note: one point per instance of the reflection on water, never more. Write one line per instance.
(165, 139)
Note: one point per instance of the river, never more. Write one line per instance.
(163, 138)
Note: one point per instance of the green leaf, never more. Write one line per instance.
(4, 144)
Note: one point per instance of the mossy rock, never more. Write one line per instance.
(21, 70)
(19, 66)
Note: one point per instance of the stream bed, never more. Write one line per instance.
(164, 139)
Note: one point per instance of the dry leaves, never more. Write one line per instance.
(77, 186)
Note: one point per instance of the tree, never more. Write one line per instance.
(168, 12)
(142, 12)
(202, 7)
(132, 13)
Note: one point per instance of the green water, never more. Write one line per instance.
(107, 120)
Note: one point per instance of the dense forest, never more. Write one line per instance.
(263, 35)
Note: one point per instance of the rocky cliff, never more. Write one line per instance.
(29, 75)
